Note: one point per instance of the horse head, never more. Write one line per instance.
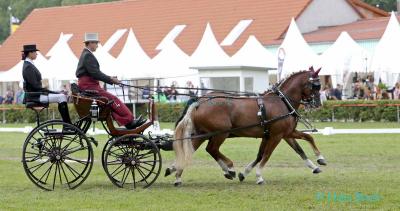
(310, 95)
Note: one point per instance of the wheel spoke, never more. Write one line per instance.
(133, 177)
(59, 171)
(142, 174)
(38, 165)
(76, 150)
(73, 170)
(125, 176)
(67, 145)
(55, 175)
(47, 172)
(65, 175)
(114, 162)
(145, 168)
(114, 175)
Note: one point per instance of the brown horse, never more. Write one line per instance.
(209, 115)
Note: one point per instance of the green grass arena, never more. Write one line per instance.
(363, 172)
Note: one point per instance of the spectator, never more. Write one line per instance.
(326, 91)
(146, 92)
(19, 96)
(161, 97)
(1, 99)
(191, 92)
(337, 92)
(172, 93)
(9, 97)
(396, 92)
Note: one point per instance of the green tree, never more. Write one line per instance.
(387, 5)
(22, 8)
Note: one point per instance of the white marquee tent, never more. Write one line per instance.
(385, 61)
(62, 62)
(342, 58)
(172, 64)
(254, 54)
(298, 54)
(15, 73)
(209, 52)
(133, 62)
(106, 60)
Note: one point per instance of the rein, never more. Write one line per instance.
(155, 88)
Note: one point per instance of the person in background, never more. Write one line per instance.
(9, 97)
(396, 91)
(190, 91)
(19, 96)
(146, 92)
(1, 99)
(337, 92)
(172, 93)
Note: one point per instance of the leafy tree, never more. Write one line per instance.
(387, 5)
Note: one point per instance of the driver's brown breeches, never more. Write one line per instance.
(120, 112)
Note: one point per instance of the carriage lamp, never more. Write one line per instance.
(94, 111)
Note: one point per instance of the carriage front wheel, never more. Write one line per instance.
(132, 161)
(57, 154)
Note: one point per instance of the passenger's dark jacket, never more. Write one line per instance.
(33, 82)
(89, 66)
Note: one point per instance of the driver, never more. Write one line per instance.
(89, 74)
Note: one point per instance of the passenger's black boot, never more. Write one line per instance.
(63, 109)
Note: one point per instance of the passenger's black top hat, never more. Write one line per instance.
(30, 48)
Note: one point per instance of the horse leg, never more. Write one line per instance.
(178, 175)
(225, 163)
(307, 137)
(296, 147)
(269, 148)
(251, 165)
(196, 144)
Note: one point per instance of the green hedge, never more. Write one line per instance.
(170, 112)
(378, 113)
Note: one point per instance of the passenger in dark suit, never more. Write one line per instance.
(34, 92)
(89, 74)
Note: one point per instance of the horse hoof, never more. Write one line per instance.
(260, 182)
(232, 173)
(228, 176)
(167, 172)
(321, 162)
(177, 184)
(317, 171)
(241, 177)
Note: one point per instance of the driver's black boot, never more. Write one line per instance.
(136, 123)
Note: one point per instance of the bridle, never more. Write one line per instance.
(314, 84)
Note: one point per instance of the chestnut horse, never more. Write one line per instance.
(221, 121)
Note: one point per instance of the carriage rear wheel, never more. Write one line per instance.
(132, 161)
(57, 154)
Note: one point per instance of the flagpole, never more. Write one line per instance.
(9, 10)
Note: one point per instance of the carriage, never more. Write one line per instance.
(60, 155)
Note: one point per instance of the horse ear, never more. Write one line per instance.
(316, 72)
(311, 68)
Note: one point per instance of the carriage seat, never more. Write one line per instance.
(36, 105)
(88, 93)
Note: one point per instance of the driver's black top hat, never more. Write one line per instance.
(30, 48)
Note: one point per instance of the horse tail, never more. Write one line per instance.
(183, 144)
(189, 102)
